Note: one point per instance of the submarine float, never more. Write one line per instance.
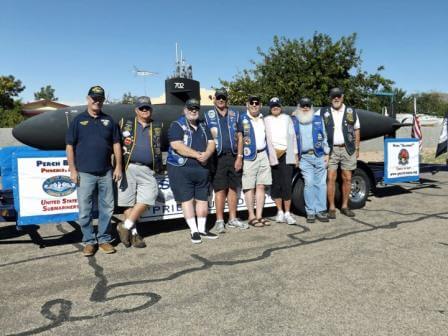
(47, 130)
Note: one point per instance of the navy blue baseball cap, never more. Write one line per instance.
(96, 92)
(193, 103)
(275, 102)
(142, 102)
(336, 92)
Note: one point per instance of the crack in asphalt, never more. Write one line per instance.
(59, 311)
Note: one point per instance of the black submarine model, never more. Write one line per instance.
(47, 130)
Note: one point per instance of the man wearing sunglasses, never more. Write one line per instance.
(256, 166)
(91, 138)
(142, 158)
(343, 130)
(191, 146)
(227, 164)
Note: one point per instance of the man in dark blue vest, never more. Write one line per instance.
(343, 130)
(313, 158)
(227, 163)
(142, 158)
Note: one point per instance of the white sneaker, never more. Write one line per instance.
(280, 218)
(289, 219)
(236, 223)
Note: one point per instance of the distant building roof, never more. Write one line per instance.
(40, 106)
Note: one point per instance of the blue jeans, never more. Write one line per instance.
(314, 173)
(88, 183)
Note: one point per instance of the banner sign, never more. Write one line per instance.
(43, 191)
(167, 208)
(401, 160)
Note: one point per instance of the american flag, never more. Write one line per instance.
(416, 128)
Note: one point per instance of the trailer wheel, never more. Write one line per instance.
(360, 189)
(298, 201)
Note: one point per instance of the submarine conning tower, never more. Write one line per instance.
(181, 86)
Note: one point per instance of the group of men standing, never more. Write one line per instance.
(227, 149)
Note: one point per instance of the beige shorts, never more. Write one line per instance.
(138, 185)
(256, 172)
(340, 157)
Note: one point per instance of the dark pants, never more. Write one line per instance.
(282, 180)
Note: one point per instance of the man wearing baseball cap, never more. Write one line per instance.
(343, 130)
(142, 158)
(191, 146)
(91, 139)
(226, 168)
(256, 166)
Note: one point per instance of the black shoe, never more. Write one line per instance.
(322, 217)
(347, 212)
(208, 235)
(196, 238)
(310, 219)
(137, 241)
(331, 214)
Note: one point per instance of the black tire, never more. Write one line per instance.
(298, 201)
(360, 189)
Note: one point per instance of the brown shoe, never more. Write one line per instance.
(332, 214)
(137, 241)
(124, 234)
(89, 250)
(107, 248)
(347, 212)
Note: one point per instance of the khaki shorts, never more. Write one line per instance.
(339, 156)
(256, 172)
(138, 185)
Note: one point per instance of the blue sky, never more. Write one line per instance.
(75, 44)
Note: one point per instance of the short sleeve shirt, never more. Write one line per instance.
(92, 139)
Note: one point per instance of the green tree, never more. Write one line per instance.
(128, 98)
(45, 92)
(9, 88)
(10, 117)
(294, 68)
(10, 109)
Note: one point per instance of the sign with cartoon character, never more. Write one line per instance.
(401, 160)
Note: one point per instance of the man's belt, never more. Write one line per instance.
(226, 153)
(140, 164)
(310, 152)
(261, 150)
(343, 145)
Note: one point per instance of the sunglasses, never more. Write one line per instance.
(305, 106)
(221, 98)
(254, 103)
(338, 96)
(193, 109)
(145, 108)
(98, 99)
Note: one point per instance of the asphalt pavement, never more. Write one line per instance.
(384, 272)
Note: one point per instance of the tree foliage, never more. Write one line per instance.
(294, 68)
(45, 92)
(128, 98)
(9, 88)
(10, 109)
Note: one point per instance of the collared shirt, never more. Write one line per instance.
(92, 139)
(199, 141)
(280, 126)
(338, 136)
(142, 152)
(223, 123)
(259, 130)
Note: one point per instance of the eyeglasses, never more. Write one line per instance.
(221, 98)
(145, 108)
(338, 96)
(254, 103)
(193, 109)
(305, 106)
